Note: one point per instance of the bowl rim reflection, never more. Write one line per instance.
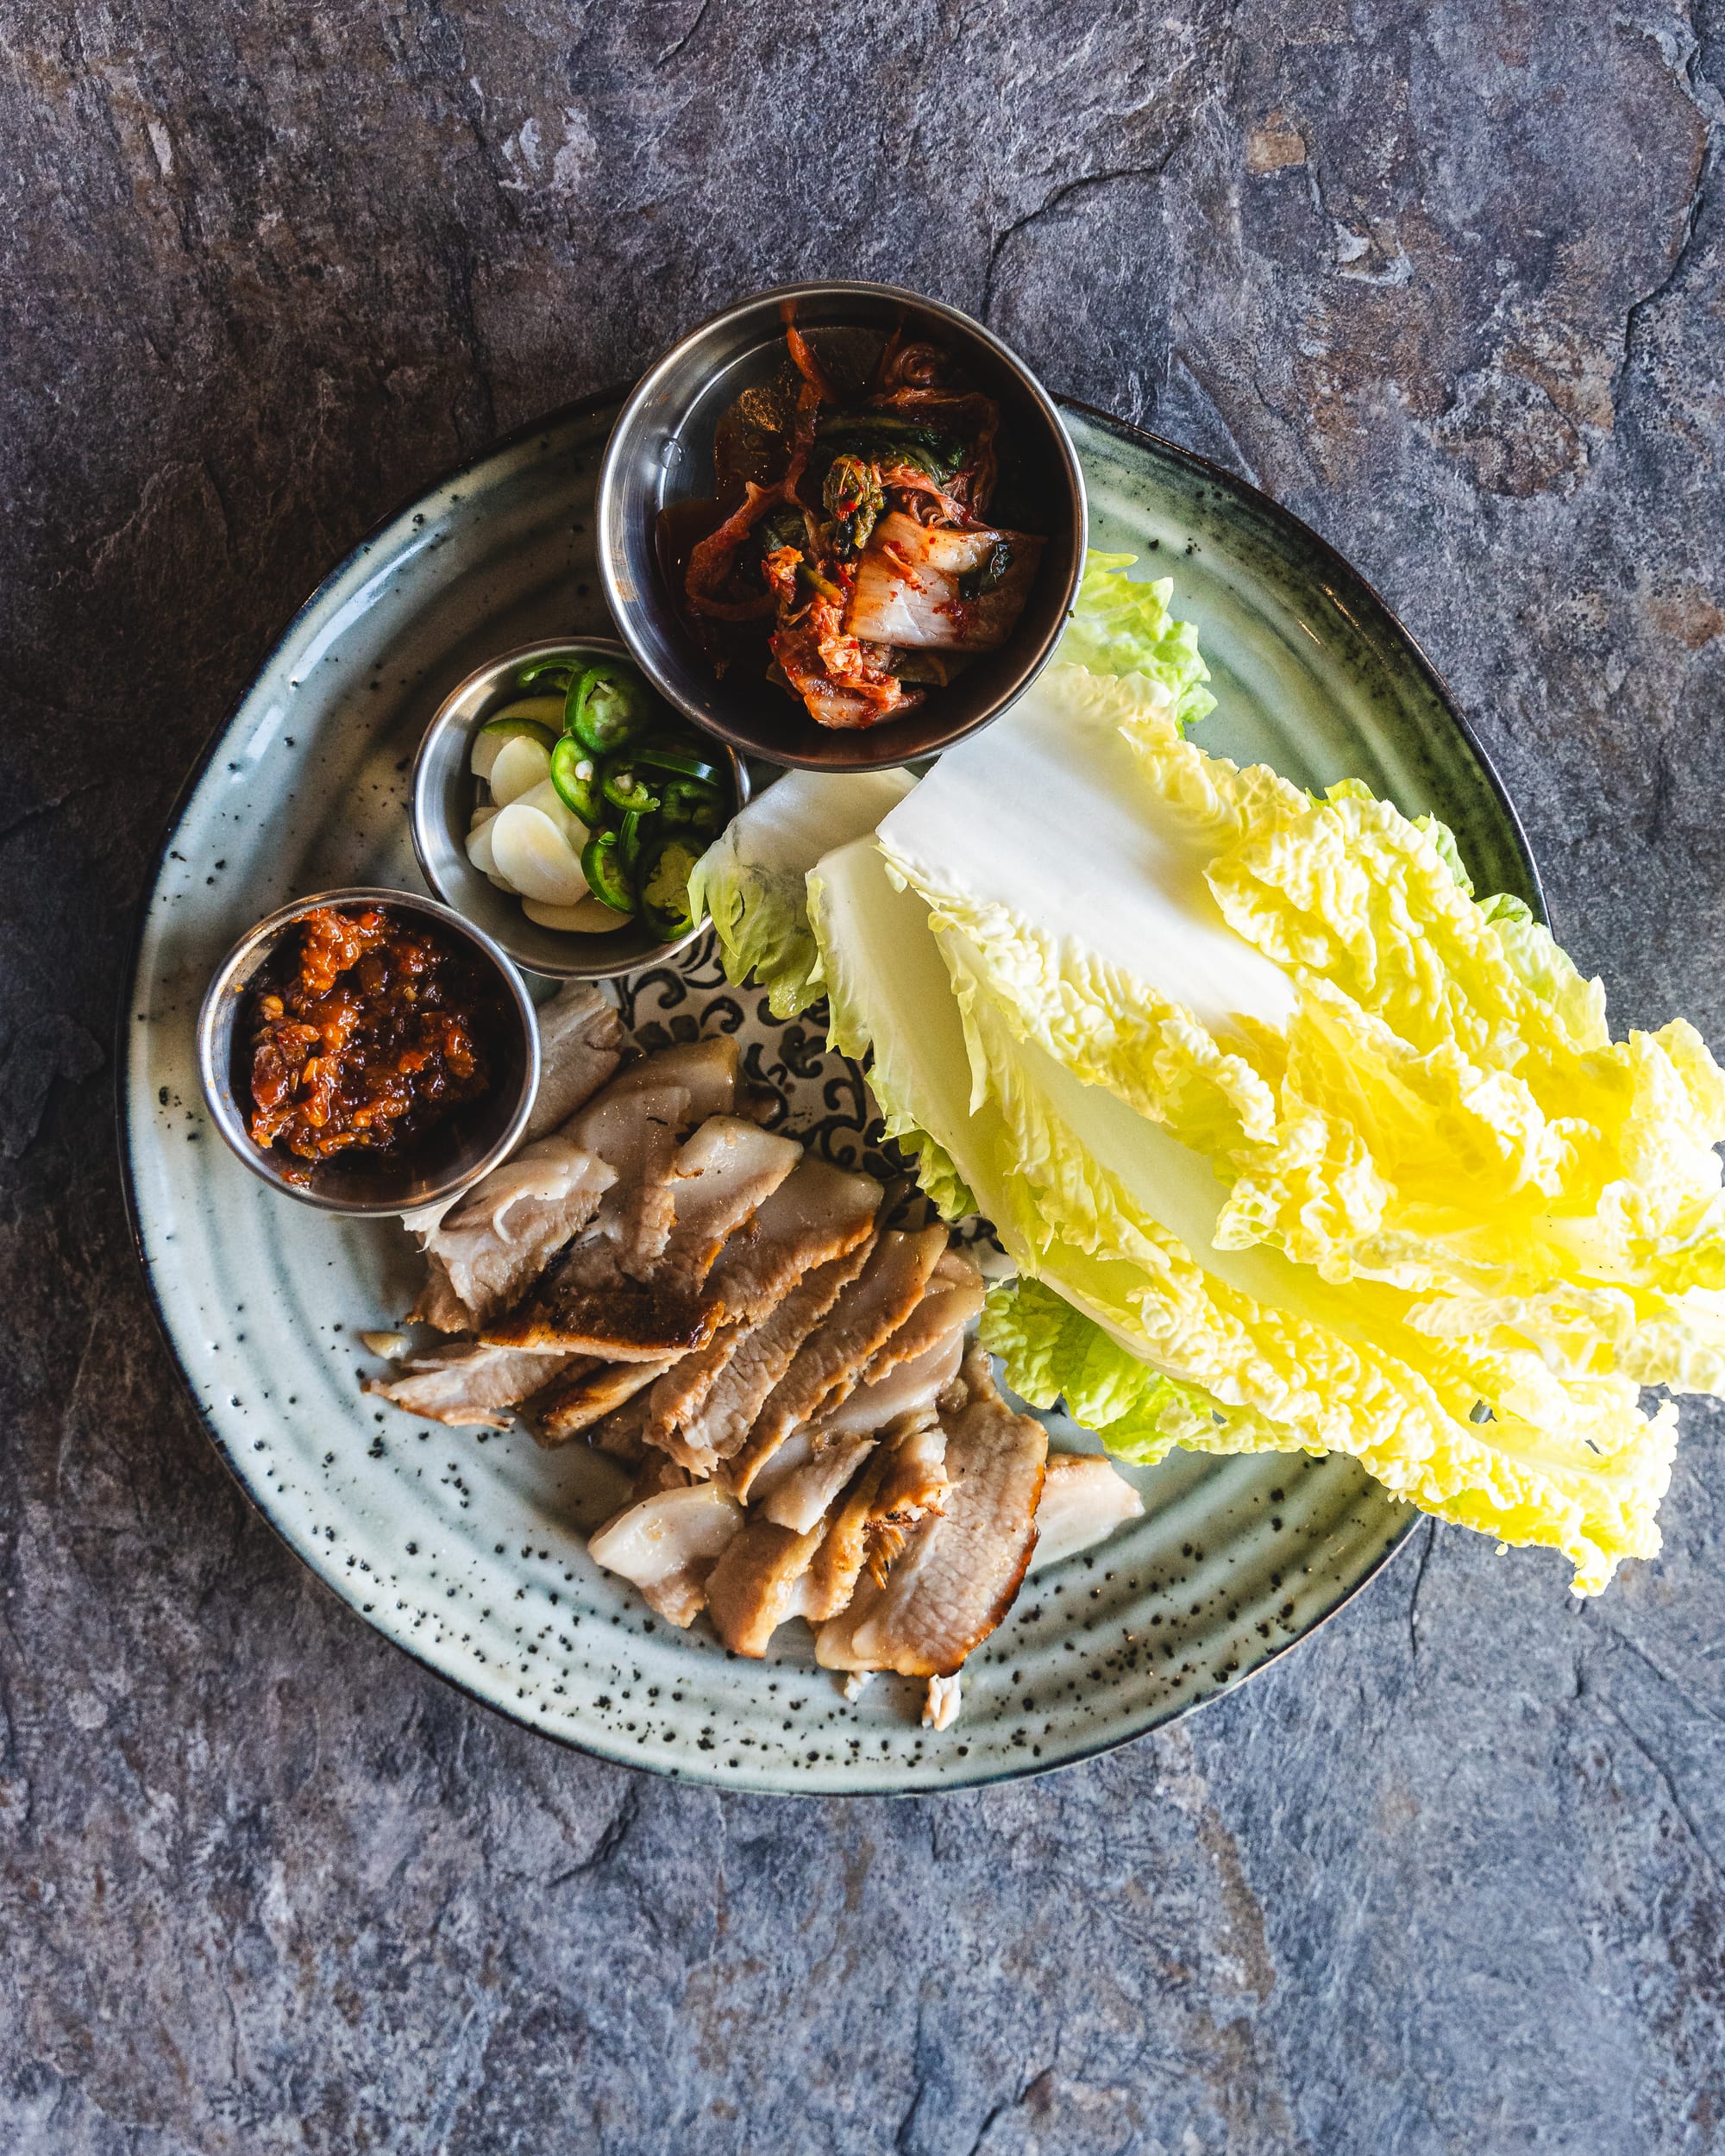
(424, 813)
(626, 603)
(219, 1011)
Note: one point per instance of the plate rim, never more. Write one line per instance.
(593, 1746)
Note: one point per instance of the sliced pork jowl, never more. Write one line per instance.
(495, 1241)
(1084, 1499)
(582, 1393)
(802, 1478)
(757, 1363)
(901, 1380)
(468, 1384)
(605, 1297)
(667, 1545)
(720, 1179)
(581, 1045)
(720, 1312)
(708, 1070)
(959, 1568)
(635, 1132)
(755, 1585)
(831, 1361)
(817, 1214)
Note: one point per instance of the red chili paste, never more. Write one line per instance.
(368, 1028)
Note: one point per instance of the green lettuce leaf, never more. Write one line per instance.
(1120, 627)
(752, 881)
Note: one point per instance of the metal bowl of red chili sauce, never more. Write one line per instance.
(840, 526)
(368, 1051)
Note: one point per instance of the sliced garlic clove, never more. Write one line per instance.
(534, 857)
(522, 764)
(478, 849)
(545, 796)
(593, 917)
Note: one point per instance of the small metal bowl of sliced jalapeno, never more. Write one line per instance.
(559, 803)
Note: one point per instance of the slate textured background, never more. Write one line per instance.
(1444, 279)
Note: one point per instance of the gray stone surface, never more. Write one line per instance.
(1444, 279)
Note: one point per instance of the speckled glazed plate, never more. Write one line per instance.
(470, 1553)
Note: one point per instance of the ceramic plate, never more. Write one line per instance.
(469, 1552)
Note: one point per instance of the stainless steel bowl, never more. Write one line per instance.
(458, 1152)
(661, 454)
(441, 809)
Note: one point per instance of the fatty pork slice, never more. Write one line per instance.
(904, 1476)
(758, 1364)
(900, 1389)
(636, 1124)
(904, 1377)
(580, 1043)
(584, 1392)
(814, 1463)
(913, 1477)
(635, 1130)
(910, 586)
(654, 1473)
(803, 1477)
(960, 1569)
(724, 1173)
(818, 1214)
(632, 1287)
(579, 1046)
(1084, 1500)
(667, 1545)
(951, 1299)
(708, 1070)
(911, 1366)
(468, 1383)
(494, 1243)
(832, 1360)
(819, 1211)
(837, 1563)
(618, 1435)
(758, 1584)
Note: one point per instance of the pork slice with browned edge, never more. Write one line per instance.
(831, 1361)
(468, 1383)
(959, 1568)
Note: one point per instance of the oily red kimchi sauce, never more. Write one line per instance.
(368, 1029)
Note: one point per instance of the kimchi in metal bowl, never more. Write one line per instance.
(668, 479)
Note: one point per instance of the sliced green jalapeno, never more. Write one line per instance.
(661, 755)
(666, 866)
(558, 673)
(575, 775)
(607, 877)
(626, 789)
(606, 706)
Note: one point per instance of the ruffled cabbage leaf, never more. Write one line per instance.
(752, 881)
(1152, 1336)
(1395, 1083)
(1120, 627)
(1297, 1146)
